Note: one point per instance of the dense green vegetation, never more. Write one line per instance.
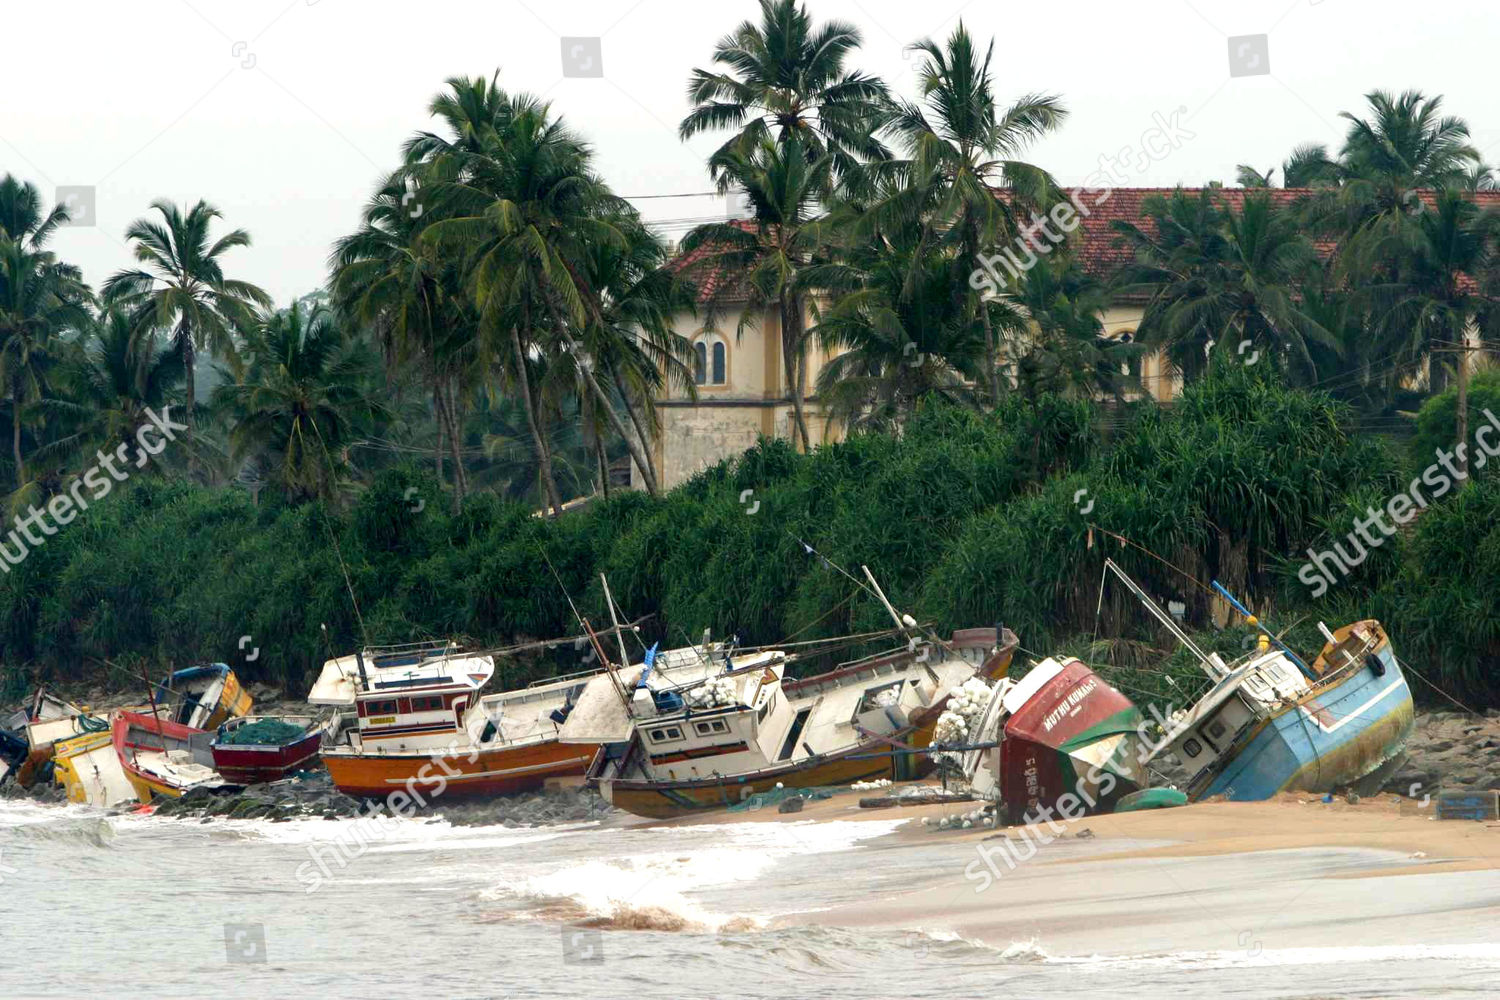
(490, 340)
(967, 519)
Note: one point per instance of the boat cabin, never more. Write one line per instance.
(202, 697)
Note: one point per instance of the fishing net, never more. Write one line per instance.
(262, 732)
(775, 796)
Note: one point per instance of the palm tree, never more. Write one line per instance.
(772, 253)
(1226, 278)
(113, 377)
(962, 152)
(1444, 287)
(1059, 342)
(901, 339)
(307, 393)
(39, 297)
(182, 288)
(385, 278)
(523, 212)
(1308, 166)
(784, 79)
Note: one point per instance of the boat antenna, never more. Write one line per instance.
(903, 624)
(614, 681)
(1160, 615)
(1256, 622)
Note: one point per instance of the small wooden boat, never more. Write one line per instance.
(675, 746)
(253, 750)
(203, 697)
(162, 758)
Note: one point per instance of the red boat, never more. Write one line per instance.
(1068, 734)
(252, 751)
(161, 758)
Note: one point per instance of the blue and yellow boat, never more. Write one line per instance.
(1272, 723)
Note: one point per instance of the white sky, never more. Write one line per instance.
(148, 98)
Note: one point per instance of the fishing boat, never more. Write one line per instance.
(1059, 740)
(423, 727)
(254, 750)
(91, 772)
(48, 720)
(1271, 723)
(162, 758)
(675, 745)
(203, 697)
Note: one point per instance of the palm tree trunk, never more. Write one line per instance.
(543, 456)
(615, 423)
(442, 427)
(790, 339)
(640, 428)
(456, 443)
(15, 436)
(445, 433)
(991, 357)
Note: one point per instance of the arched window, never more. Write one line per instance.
(710, 362)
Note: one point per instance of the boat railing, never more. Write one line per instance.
(560, 678)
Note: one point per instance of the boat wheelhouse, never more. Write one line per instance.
(203, 697)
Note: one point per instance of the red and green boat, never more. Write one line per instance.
(1070, 743)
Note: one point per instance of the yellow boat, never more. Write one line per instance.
(90, 770)
(203, 697)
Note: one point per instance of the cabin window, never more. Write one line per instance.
(427, 703)
(380, 707)
(1192, 748)
(765, 709)
(1216, 729)
(667, 734)
(710, 727)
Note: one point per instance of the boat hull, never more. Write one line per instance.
(129, 729)
(472, 774)
(1342, 734)
(248, 764)
(1073, 740)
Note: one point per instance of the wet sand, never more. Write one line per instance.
(1246, 879)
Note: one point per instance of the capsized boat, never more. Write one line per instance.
(1068, 744)
(162, 758)
(91, 772)
(203, 697)
(1271, 723)
(676, 745)
(252, 750)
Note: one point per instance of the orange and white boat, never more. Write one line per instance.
(423, 728)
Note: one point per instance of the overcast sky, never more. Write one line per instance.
(283, 113)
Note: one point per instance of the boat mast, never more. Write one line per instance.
(1210, 667)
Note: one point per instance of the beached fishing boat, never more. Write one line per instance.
(674, 745)
(203, 697)
(1067, 742)
(91, 772)
(422, 725)
(254, 750)
(1271, 723)
(162, 758)
(47, 721)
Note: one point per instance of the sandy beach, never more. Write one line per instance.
(1253, 879)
